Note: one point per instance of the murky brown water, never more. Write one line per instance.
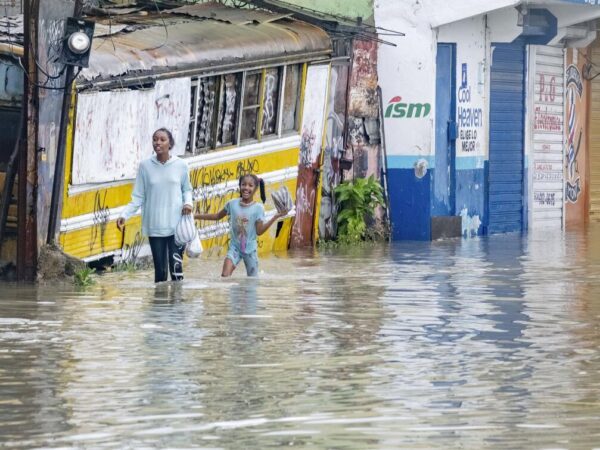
(488, 343)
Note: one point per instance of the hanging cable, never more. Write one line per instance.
(37, 63)
(164, 25)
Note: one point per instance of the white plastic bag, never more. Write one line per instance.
(186, 230)
(194, 248)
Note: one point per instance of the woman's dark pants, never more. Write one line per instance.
(165, 253)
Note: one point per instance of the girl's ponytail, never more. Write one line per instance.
(263, 195)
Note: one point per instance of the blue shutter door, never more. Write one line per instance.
(445, 112)
(507, 137)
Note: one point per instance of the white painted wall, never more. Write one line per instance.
(503, 25)
(407, 71)
(444, 11)
(568, 15)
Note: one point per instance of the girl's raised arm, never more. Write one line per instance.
(261, 226)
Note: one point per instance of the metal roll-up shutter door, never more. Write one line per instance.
(548, 138)
(507, 113)
(595, 140)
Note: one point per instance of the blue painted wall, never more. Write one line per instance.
(471, 194)
(410, 200)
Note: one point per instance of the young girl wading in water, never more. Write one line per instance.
(246, 222)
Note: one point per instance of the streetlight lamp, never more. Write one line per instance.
(77, 42)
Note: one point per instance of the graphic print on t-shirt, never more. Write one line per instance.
(242, 232)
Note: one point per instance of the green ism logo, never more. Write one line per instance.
(396, 109)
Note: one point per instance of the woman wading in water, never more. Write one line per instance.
(163, 191)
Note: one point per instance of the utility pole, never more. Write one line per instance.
(57, 183)
(46, 104)
(27, 188)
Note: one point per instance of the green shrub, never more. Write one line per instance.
(358, 200)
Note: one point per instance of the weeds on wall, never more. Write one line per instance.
(357, 199)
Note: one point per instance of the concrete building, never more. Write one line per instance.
(485, 114)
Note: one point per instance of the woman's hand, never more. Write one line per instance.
(187, 209)
(120, 223)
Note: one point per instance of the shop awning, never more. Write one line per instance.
(580, 10)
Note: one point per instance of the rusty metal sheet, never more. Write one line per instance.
(102, 29)
(118, 11)
(236, 16)
(310, 150)
(188, 43)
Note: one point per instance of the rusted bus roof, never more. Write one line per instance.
(189, 40)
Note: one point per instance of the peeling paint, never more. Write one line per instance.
(470, 224)
(310, 150)
(114, 128)
(363, 99)
(421, 167)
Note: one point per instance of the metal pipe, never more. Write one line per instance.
(384, 168)
(60, 158)
(15, 50)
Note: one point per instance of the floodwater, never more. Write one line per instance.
(482, 343)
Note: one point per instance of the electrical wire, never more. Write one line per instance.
(38, 65)
(36, 61)
(45, 86)
(341, 18)
(164, 25)
(110, 33)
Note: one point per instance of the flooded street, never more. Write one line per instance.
(484, 343)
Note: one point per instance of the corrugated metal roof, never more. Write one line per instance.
(237, 16)
(199, 37)
(11, 29)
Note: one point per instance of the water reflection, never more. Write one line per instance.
(485, 343)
